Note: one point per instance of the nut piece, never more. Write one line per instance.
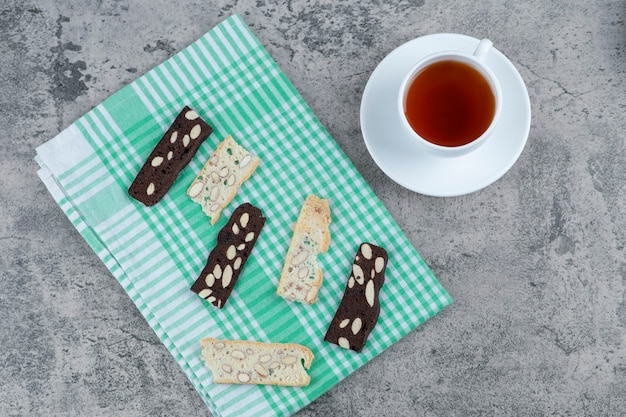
(150, 189)
(238, 354)
(351, 282)
(303, 272)
(215, 177)
(249, 237)
(369, 293)
(289, 360)
(235, 229)
(215, 192)
(205, 293)
(191, 115)
(186, 140)
(260, 369)
(379, 264)
(245, 161)
(358, 274)
(356, 325)
(311, 295)
(227, 368)
(170, 155)
(227, 276)
(244, 219)
(219, 345)
(366, 250)
(243, 377)
(209, 280)
(158, 160)
(343, 342)
(265, 358)
(173, 137)
(237, 263)
(231, 252)
(300, 257)
(195, 189)
(217, 271)
(195, 131)
(344, 323)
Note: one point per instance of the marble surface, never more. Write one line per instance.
(535, 262)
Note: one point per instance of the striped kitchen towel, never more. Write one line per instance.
(157, 252)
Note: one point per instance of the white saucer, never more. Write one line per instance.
(404, 160)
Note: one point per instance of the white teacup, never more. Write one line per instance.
(476, 61)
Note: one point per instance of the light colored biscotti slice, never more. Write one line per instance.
(220, 178)
(248, 362)
(301, 277)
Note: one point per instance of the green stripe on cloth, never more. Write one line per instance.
(157, 252)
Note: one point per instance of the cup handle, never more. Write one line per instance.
(483, 49)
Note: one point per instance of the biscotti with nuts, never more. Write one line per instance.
(359, 308)
(301, 277)
(235, 242)
(170, 155)
(249, 362)
(220, 178)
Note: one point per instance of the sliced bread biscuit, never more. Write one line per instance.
(359, 309)
(235, 242)
(248, 362)
(220, 178)
(301, 277)
(170, 155)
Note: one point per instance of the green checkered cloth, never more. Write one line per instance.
(156, 253)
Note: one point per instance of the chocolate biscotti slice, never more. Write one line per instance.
(235, 242)
(359, 308)
(173, 152)
(301, 277)
(248, 362)
(220, 178)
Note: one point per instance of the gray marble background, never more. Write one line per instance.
(535, 262)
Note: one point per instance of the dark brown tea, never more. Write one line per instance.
(449, 103)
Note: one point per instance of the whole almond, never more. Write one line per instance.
(195, 189)
(289, 360)
(358, 274)
(227, 276)
(260, 369)
(243, 377)
(369, 293)
(356, 325)
(366, 250)
(300, 257)
(238, 354)
(379, 264)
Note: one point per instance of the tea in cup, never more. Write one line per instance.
(450, 101)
